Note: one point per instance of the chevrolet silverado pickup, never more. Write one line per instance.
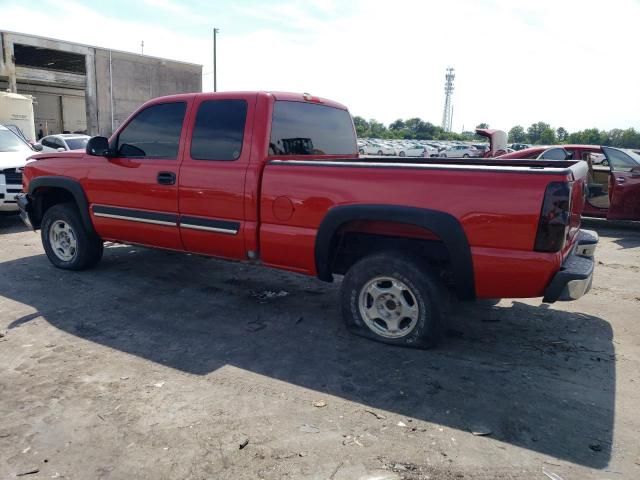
(275, 179)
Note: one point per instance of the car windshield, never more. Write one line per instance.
(77, 143)
(9, 142)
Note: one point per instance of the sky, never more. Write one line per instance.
(569, 63)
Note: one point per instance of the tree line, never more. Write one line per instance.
(542, 133)
(539, 133)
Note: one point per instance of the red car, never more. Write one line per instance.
(614, 186)
(275, 179)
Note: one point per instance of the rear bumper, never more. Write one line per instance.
(24, 205)
(576, 274)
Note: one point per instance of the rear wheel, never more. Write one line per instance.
(361, 151)
(392, 298)
(402, 154)
(380, 152)
(605, 163)
(466, 155)
(67, 243)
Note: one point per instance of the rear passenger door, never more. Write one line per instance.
(212, 176)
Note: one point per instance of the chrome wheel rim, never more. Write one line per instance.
(388, 307)
(62, 240)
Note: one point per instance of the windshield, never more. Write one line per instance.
(77, 143)
(9, 142)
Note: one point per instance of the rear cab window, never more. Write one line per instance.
(300, 128)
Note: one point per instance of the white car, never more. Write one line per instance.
(417, 151)
(377, 149)
(14, 152)
(64, 142)
(461, 151)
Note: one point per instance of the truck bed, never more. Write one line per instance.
(496, 202)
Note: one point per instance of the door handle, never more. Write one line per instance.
(620, 179)
(166, 178)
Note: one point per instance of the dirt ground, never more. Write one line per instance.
(162, 366)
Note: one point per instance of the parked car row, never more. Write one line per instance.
(420, 148)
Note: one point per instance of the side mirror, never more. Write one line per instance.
(37, 147)
(635, 172)
(60, 149)
(98, 147)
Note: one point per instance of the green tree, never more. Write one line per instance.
(517, 135)
(534, 132)
(562, 134)
(630, 139)
(362, 126)
(548, 136)
(482, 125)
(397, 125)
(590, 136)
(377, 129)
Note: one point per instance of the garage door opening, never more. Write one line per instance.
(49, 59)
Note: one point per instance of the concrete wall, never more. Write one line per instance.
(115, 84)
(134, 79)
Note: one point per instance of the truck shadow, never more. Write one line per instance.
(537, 378)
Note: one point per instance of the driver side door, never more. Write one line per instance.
(624, 185)
(134, 194)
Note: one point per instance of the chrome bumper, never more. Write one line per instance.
(576, 274)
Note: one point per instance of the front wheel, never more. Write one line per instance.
(402, 154)
(379, 153)
(466, 155)
(66, 241)
(605, 163)
(394, 299)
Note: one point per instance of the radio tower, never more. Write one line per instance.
(448, 107)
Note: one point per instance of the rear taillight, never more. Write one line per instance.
(555, 218)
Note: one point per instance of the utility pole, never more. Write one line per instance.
(142, 47)
(447, 115)
(215, 70)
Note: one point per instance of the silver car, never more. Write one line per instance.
(64, 142)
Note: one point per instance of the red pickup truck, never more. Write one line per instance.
(275, 179)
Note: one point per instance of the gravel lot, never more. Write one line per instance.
(159, 365)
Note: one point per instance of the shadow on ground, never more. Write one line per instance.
(11, 223)
(537, 378)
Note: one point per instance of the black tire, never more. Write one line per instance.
(465, 155)
(428, 291)
(380, 153)
(402, 154)
(361, 151)
(605, 163)
(89, 248)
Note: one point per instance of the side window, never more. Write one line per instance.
(46, 141)
(301, 128)
(219, 130)
(554, 154)
(154, 132)
(620, 161)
